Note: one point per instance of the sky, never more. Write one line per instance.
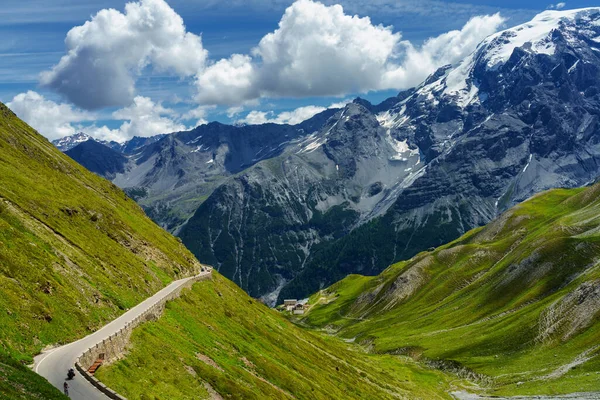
(116, 69)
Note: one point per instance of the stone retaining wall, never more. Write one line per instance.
(115, 346)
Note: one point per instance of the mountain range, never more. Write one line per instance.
(285, 210)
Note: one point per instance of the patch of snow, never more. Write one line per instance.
(501, 45)
(401, 149)
(312, 146)
(456, 81)
(194, 140)
(457, 84)
(573, 66)
(388, 120)
(528, 162)
(212, 160)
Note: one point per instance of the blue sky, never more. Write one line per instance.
(175, 85)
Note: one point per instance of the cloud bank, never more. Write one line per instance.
(54, 120)
(319, 50)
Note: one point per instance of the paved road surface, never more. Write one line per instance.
(54, 364)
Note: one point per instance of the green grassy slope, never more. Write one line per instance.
(217, 338)
(75, 251)
(515, 304)
(18, 382)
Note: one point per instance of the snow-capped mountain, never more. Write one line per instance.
(518, 116)
(68, 142)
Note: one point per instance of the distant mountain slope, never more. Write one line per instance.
(75, 251)
(98, 158)
(515, 304)
(173, 176)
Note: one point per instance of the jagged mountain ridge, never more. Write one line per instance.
(516, 117)
(171, 177)
(128, 147)
(68, 142)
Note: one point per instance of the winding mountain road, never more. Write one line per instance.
(54, 364)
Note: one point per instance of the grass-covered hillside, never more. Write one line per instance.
(75, 251)
(515, 305)
(216, 342)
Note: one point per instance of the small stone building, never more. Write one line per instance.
(290, 304)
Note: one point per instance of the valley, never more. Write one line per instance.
(284, 210)
(441, 243)
(512, 306)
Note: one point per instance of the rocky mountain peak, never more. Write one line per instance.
(68, 142)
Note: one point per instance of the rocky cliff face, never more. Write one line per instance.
(261, 226)
(518, 116)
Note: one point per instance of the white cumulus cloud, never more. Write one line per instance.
(51, 119)
(448, 48)
(319, 50)
(228, 81)
(107, 53)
